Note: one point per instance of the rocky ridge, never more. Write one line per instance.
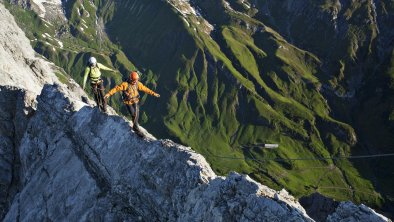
(49, 10)
(192, 15)
(64, 160)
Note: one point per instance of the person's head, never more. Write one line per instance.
(134, 77)
(92, 61)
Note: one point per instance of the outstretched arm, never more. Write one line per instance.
(147, 90)
(103, 67)
(121, 87)
(85, 76)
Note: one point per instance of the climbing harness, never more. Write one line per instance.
(127, 94)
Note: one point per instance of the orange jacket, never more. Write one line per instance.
(132, 91)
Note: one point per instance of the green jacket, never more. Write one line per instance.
(94, 73)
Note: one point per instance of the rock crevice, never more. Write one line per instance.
(15, 111)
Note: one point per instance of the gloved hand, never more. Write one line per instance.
(106, 96)
(157, 95)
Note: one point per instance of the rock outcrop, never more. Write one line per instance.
(66, 161)
(318, 206)
(322, 208)
(13, 119)
(347, 211)
(22, 76)
(50, 10)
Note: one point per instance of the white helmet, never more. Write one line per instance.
(92, 61)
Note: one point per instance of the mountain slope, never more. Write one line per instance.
(65, 160)
(236, 74)
(60, 171)
(355, 42)
(244, 84)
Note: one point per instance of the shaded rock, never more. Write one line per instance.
(16, 107)
(318, 206)
(347, 211)
(322, 208)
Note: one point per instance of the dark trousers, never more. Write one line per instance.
(134, 110)
(98, 91)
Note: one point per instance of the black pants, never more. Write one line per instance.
(98, 91)
(134, 110)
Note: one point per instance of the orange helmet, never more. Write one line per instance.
(134, 76)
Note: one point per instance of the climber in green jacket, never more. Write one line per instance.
(93, 71)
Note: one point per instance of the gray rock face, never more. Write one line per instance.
(63, 160)
(322, 208)
(19, 66)
(347, 211)
(14, 114)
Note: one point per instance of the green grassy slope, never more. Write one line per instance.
(239, 87)
(354, 42)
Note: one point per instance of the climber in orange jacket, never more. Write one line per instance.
(131, 96)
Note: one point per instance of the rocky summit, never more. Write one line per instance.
(63, 160)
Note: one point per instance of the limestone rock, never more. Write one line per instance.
(348, 211)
